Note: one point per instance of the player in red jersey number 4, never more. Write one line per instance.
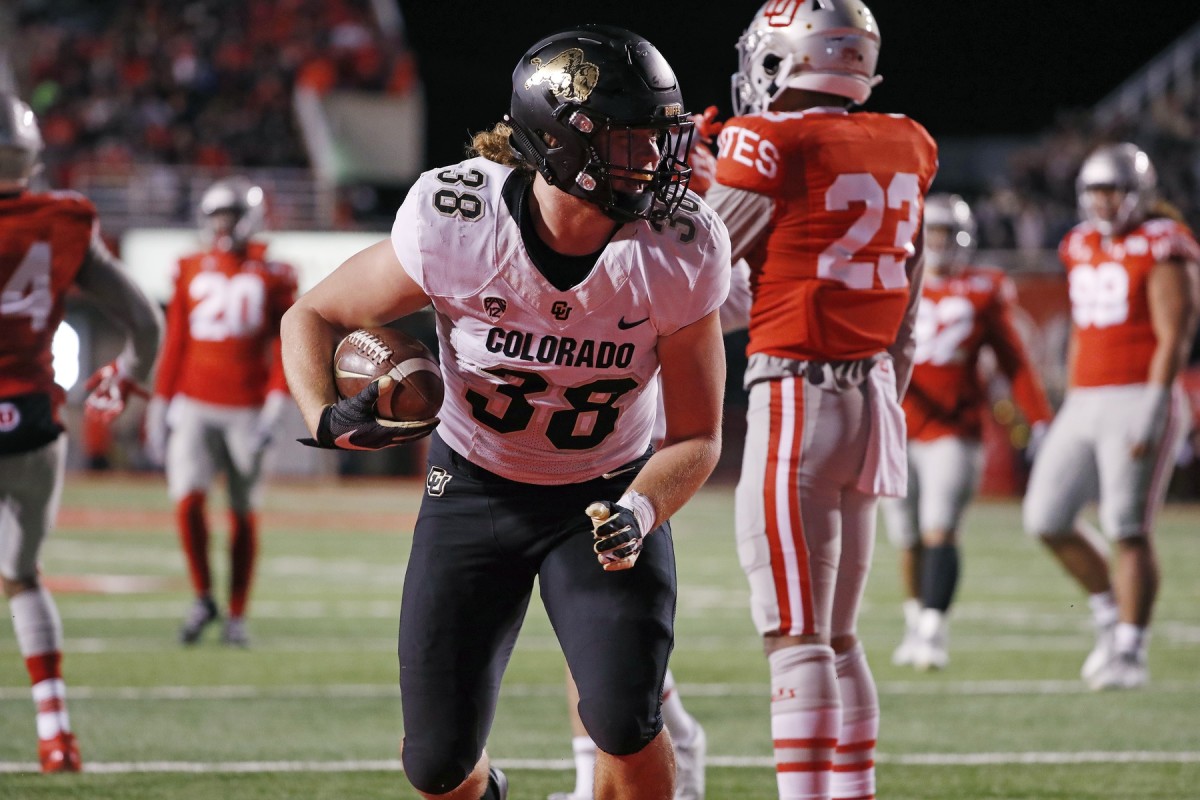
(49, 244)
(1132, 270)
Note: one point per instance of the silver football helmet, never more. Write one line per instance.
(20, 141)
(953, 246)
(231, 212)
(829, 46)
(1125, 168)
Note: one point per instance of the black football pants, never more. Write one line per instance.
(480, 541)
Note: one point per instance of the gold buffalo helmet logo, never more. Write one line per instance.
(567, 74)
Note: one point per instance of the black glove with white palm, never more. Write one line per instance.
(351, 424)
(620, 529)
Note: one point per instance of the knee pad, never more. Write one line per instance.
(438, 764)
(803, 679)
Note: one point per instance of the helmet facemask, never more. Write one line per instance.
(636, 171)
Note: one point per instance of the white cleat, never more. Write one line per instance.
(902, 656)
(932, 649)
(1123, 671)
(689, 766)
(1102, 653)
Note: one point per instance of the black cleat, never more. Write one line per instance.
(497, 788)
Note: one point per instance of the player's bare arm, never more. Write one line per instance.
(311, 328)
(104, 281)
(693, 383)
(905, 346)
(1171, 289)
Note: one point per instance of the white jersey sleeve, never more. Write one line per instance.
(548, 386)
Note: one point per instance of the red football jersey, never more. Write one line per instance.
(222, 340)
(958, 316)
(1110, 311)
(44, 240)
(848, 190)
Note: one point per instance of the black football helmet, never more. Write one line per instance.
(598, 111)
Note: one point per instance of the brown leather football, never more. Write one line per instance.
(371, 353)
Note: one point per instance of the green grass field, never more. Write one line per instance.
(312, 709)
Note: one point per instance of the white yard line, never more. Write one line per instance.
(743, 762)
(375, 690)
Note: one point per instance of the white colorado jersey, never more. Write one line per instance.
(546, 386)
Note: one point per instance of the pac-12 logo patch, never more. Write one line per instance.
(435, 483)
(10, 417)
(495, 306)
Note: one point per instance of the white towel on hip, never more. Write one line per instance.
(885, 466)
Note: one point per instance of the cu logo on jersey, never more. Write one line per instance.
(560, 310)
(435, 483)
(495, 307)
(567, 75)
(10, 417)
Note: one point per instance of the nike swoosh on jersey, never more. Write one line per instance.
(623, 325)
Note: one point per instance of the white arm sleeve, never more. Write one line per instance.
(747, 215)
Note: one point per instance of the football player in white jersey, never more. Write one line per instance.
(569, 268)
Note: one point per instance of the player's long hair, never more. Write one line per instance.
(1162, 209)
(493, 145)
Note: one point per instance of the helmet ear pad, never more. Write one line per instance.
(576, 86)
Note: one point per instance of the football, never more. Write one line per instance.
(371, 353)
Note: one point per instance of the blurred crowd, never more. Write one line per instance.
(194, 82)
(209, 83)
(1037, 206)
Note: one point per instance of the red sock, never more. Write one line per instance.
(44, 667)
(193, 534)
(243, 547)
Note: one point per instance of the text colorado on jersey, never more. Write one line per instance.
(562, 351)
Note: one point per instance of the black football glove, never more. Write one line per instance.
(351, 424)
(618, 535)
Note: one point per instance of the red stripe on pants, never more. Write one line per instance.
(774, 542)
(793, 484)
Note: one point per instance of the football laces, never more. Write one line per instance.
(371, 346)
